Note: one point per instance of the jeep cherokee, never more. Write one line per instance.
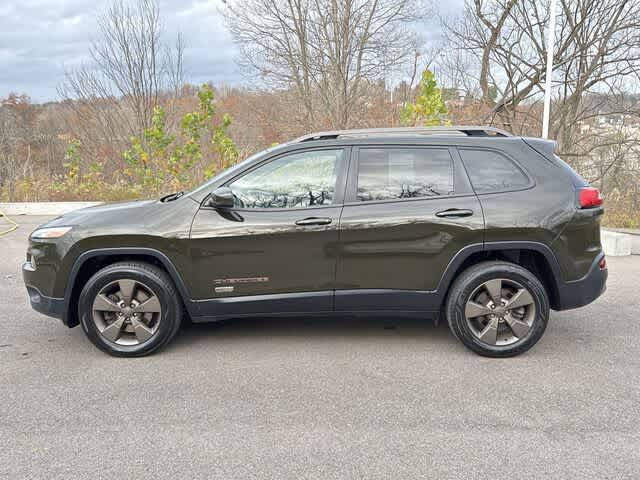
(485, 229)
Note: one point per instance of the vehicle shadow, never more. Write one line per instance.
(306, 328)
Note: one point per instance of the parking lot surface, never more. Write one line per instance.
(321, 398)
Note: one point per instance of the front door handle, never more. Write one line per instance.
(454, 213)
(313, 221)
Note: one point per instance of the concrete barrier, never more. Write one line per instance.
(635, 244)
(43, 208)
(615, 244)
(634, 234)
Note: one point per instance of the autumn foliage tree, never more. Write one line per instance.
(160, 161)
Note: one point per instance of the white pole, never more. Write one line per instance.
(547, 86)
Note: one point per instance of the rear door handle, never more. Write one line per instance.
(313, 221)
(454, 212)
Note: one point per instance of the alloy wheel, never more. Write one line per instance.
(127, 312)
(500, 312)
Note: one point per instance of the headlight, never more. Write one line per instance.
(50, 232)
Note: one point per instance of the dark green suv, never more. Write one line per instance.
(473, 224)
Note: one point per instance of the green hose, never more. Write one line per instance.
(13, 226)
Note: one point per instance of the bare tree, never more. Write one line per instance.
(596, 60)
(132, 69)
(598, 48)
(324, 49)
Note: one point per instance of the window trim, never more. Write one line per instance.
(531, 182)
(352, 180)
(340, 184)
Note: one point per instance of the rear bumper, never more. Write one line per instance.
(585, 290)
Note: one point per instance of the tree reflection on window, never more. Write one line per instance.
(299, 180)
(397, 173)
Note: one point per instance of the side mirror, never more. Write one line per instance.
(221, 198)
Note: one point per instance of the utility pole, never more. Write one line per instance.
(547, 87)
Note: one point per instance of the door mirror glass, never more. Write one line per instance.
(221, 198)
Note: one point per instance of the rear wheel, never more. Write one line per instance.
(497, 309)
(130, 309)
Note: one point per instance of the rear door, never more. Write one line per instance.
(408, 211)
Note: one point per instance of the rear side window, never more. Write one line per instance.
(490, 171)
(397, 173)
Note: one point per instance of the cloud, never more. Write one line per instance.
(40, 39)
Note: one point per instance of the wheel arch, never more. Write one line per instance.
(536, 257)
(90, 261)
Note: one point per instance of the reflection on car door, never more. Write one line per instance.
(275, 250)
(408, 211)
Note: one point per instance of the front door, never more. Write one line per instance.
(408, 211)
(275, 250)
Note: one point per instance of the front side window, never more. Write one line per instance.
(299, 180)
(490, 171)
(397, 173)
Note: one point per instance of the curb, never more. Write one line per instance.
(43, 208)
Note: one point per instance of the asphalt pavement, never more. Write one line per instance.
(321, 398)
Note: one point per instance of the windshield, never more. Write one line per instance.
(230, 170)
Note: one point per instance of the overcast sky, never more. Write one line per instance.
(40, 39)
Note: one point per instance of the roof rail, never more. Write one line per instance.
(410, 131)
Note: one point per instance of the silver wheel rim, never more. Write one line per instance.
(126, 312)
(500, 312)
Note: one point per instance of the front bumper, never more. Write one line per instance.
(52, 307)
(585, 290)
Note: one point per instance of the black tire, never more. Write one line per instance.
(469, 281)
(149, 275)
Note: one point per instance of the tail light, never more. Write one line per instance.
(589, 197)
(602, 263)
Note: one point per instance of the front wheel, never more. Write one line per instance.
(497, 309)
(130, 309)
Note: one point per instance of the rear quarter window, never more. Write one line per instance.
(490, 171)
